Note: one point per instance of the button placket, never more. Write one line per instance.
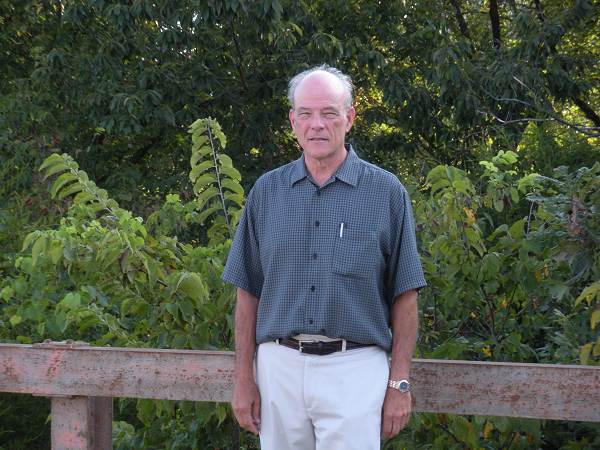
(315, 231)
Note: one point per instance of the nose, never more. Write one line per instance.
(316, 122)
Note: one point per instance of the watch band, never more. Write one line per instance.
(400, 385)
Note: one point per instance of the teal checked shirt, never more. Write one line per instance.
(326, 260)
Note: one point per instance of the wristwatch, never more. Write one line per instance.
(400, 385)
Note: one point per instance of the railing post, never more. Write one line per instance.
(79, 422)
(101, 409)
(71, 423)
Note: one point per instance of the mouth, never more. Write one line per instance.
(318, 139)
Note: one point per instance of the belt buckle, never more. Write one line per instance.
(300, 346)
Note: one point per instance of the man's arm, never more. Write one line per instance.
(396, 405)
(246, 399)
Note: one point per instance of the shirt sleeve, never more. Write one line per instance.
(243, 268)
(404, 271)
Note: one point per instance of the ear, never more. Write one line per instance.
(350, 115)
(292, 118)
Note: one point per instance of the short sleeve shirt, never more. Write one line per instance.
(326, 259)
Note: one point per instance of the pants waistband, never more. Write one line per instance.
(320, 347)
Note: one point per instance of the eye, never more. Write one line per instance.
(330, 115)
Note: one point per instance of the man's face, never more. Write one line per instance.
(319, 119)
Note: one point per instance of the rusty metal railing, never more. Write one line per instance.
(82, 380)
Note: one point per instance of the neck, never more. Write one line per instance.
(322, 169)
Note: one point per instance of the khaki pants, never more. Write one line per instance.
(312, 402)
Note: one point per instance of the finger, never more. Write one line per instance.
(395, 428)
(386, 428)
(403, 421)
(256, 415)
(244, 419)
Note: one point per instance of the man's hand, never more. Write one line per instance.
(396, 412)
(246, 405)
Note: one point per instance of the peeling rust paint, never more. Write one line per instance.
(55, 360)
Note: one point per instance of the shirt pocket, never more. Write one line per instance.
(355, 254)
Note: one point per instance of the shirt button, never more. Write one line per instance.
(314, 256)
(319, 192)
(312, 288)
(310, 321)
(317, 223)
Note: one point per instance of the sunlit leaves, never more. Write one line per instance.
(220, 196)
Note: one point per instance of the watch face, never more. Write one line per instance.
(404, 386)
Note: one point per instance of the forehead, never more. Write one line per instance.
(319, 89)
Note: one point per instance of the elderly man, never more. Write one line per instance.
(327, 271)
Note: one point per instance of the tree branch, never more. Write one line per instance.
(586, 110)
(495, 22)
(581, 104)
(588, 131)
(462, 24)
(538, 8)
(238, 65)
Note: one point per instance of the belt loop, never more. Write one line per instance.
(277, 341)
(343, 345)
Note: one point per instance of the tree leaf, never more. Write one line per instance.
(205, 196)
(56, 250)
(589, 293)
(15, 320)
(595, 319)
(225, 160)
(52, 160)
(84, 197)
(209, 211)
(55, 168)
(233, 186)
(192, 285)
(72, 189)
(231, 172)
(39, 247)
(200, 168)
(70, 301)
(187, 310)
(584, 353)
(204, 181)
(61, 181)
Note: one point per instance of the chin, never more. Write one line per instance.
(318, 153)
(319, 149)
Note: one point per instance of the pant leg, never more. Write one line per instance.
(345, 398)
(285, 425)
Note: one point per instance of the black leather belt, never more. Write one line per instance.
(319, 347)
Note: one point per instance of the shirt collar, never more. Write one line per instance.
(347, 172)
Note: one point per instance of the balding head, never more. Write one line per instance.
(327, 74)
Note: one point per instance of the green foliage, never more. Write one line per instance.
(525, 289)
(510, 255)
(216, 182)
(101, 277)
(18, 434)
(114, 84)
(570, 228)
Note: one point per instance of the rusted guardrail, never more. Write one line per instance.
(81, 381)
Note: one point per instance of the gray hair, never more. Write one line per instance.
(344, 79)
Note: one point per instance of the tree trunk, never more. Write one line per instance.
(495, 22)
(462, 24)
